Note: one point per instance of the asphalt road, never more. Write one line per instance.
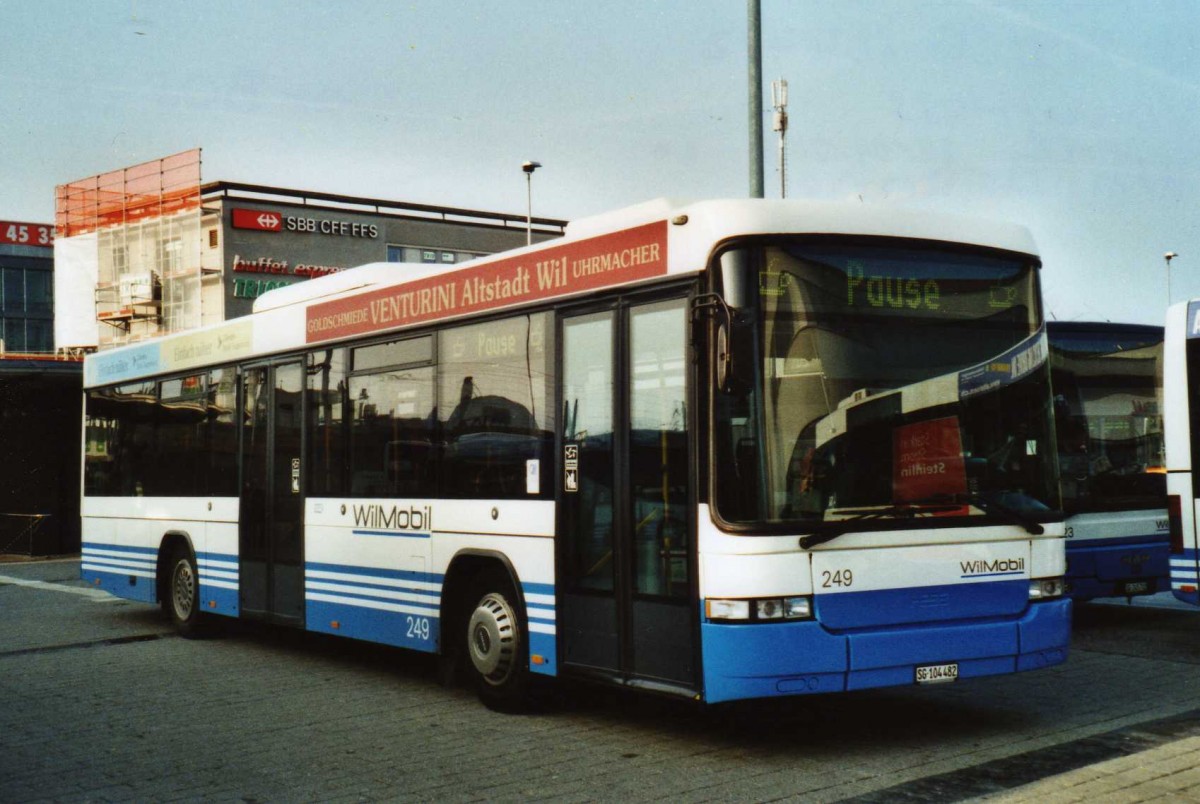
(100, 701)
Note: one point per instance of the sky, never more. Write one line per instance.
(1079, 118)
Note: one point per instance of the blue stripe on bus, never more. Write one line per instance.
(538, 589)
(376, 572)
(367, 587)
(397, 533)
(219, 599)
(121, 548)
(230, 557)
(128, 582)
(1147, 539)
(362, 595)
(543, 647)
(994, 574)
(103, 572)
(1184, 573)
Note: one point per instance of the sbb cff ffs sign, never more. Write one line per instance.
(16, 233)
(265, 220)
(258, 219)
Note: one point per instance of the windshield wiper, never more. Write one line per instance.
(832, 530)
(992, 506)
(943, 503)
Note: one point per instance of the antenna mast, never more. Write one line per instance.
(779, 101)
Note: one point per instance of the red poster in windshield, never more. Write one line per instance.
(927, 461)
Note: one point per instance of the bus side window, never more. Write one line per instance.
(327, 420)
(494, 408)
(392, 435)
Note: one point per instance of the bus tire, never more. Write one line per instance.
(181, 603)
(496, 645)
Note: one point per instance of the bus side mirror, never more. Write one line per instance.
(735, 356)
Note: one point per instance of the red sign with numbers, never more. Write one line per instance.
(26, 234)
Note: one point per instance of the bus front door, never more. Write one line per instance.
(626, 495)
(271, 517)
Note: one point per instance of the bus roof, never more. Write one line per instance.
(631, 246)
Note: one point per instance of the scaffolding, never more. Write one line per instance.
(147, 220)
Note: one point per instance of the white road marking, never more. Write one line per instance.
(97, 595)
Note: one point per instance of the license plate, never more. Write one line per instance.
(937, 673)
(1137, 587)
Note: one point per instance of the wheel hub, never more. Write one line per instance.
(183, 587)
(491, 636)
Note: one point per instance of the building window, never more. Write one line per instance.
(39, 292)
(14, 290)
(429, 255)
(14, 335)
(39, 335)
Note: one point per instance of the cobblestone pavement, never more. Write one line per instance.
(100, 701)
(1168, 773)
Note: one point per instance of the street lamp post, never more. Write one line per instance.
(1170, 255)
(529, 167)
(754, 25)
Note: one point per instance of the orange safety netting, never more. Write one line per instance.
(151, 189)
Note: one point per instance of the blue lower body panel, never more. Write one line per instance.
(405, 630)
(121, 570)
(762, 660)
(1112, 570)
(1185, 576)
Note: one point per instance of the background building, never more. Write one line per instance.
(149, 249)
(40, 400)
(26, 287)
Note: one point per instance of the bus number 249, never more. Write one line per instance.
(842, 577)
(418, 628)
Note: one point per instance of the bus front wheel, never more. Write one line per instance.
(496, 646)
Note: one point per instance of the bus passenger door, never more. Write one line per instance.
(271, 519)
(626, 495)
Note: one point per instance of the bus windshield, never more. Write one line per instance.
(891, 382)
(1107, 387)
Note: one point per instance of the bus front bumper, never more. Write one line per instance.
(763, 660)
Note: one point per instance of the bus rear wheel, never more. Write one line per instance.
(496, 646)
(182, 599)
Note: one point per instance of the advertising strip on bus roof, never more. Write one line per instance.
(232, 341)
(612, 259)
(1005, 369)
(136, 361)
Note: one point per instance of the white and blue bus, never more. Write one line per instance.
(726, 450)
(1107, 381)
(1181, 406)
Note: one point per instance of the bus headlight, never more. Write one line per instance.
(767, 609)
(797, 608)
(727, 609)
(1046, 588)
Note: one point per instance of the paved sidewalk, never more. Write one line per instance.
(1166, 773)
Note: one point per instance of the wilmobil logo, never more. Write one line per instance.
(999, 566)
(379, 518)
